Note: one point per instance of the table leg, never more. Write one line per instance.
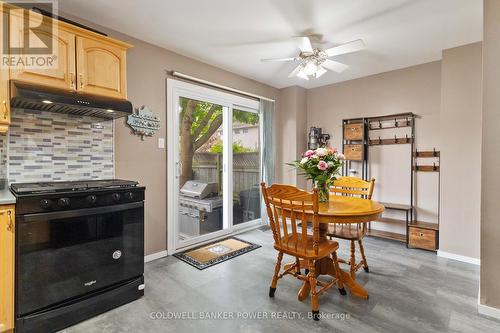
(325, 267)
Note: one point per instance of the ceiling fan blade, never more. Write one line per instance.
(334, 66)
(277, 59)
(320, 72)
(295, 71)
(304, 44)
(355, 45)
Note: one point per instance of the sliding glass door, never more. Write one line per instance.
(246, 155)
(213, 187)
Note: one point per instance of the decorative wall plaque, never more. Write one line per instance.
(144, 122)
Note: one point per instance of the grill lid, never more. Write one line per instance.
(199, 189)
(35, 97)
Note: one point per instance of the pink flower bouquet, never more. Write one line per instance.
(321, 166)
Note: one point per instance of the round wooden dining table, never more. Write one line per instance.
(342, 209)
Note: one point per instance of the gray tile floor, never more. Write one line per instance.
(410, 291)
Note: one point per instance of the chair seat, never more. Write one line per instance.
(349, 232)
(296, 249)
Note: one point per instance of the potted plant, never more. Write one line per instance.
(321, 166)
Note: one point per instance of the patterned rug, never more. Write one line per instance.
(214, 253)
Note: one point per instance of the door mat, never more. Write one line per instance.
(214, 253)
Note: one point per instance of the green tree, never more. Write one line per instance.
(237, 147)
(199, 121)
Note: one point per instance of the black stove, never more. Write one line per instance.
(56, 196)
(50, 187)
(79, 250)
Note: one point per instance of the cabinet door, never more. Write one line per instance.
(4, 86)
(4, 100)
(7, 229)
(62, 75)
(101, 68)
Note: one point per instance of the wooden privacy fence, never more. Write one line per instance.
(246, 169)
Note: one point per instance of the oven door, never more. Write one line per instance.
(64, 255)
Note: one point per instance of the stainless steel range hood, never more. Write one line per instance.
(36, 97)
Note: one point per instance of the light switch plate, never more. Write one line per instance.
(161, 143)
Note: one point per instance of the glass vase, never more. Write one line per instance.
(323, 191)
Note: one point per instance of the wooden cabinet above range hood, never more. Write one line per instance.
(87, 62)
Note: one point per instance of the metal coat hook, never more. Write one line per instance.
(395, 139)
(434, 152)
(396, 124)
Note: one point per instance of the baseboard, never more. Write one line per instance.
(458, 257)
(154, 256)
(488, 311)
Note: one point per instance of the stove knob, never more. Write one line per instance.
(63, 202)
(129, 195)
(45, 203)
(92, 199)
(116, 197)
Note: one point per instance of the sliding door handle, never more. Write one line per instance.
(178, 169)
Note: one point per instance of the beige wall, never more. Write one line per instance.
(293, 142)
(490, 176)
(415, 89)
(460, 119)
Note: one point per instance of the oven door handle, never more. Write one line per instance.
(79, 212)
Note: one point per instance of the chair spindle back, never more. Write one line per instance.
(352, 186)
(285, 202)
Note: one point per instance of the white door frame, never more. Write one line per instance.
(175, 90)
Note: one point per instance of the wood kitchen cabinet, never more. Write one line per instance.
(5, 102)
(101, 67)
(63, 74)
(4, 83)
(86, 61)
(7, 253)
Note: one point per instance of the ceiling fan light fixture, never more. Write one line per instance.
(303, 75)
(310, 68)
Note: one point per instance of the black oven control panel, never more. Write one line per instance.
(49, 202)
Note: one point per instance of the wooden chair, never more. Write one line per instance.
(285, 203)
(352, 186)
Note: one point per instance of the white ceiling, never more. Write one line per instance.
(236, 34)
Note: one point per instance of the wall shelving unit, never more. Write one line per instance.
(372, 129)
(425, 235)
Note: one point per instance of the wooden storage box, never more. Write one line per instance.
(353, 152)
(422, 238)
(353, 131)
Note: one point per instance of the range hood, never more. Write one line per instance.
(36, 97)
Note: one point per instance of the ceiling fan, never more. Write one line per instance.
(314, 62)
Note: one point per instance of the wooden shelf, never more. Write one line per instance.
(426, 168)
(387, 235)
(399, 116)
(427, 154)
(396, 141)
(387, 127)
(389, 220)
(396, 206)
(424, 225)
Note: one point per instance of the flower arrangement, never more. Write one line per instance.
(321, 166)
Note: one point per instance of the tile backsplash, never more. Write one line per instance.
(46, 146)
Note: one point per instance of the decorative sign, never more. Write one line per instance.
(144, 122)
